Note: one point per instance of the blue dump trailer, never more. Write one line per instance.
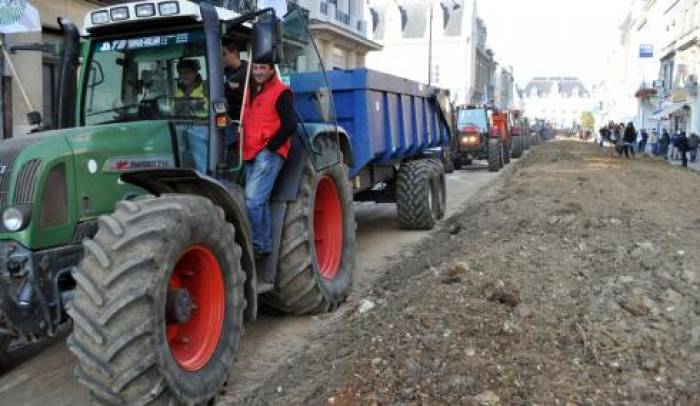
(395, 131)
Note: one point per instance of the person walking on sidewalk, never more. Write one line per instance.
(613, 138)
(683, 148)
(693, 144)
(642, 146)
(654, 140)
(664, 143)
(628, 139)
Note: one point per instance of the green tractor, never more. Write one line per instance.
(106, 223)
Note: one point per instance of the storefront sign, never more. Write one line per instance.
(679, 96)
(646, 51)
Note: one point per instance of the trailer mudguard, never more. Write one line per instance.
(227, 195)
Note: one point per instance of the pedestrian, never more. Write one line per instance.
(628, 139)
(613, 138)
(664, 142)
(674, 145)
(654, 140)
(603, 136)
(693, 144)
(683, 147)
(269, 120)
(643, 138)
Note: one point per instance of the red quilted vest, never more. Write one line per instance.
(261, 121)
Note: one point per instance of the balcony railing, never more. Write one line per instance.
(342, 17)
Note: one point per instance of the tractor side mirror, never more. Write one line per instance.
(267, 40)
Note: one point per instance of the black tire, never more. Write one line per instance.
(448, 162)
(495, 154)
(300, 287)
(442, 188)
(119, 335)
(517, 146)
(417, 195)
(5, 341)
(526, 142)
(506, 152)
(458, 163)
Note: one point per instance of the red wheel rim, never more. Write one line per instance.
(193, 342)
(328, 228)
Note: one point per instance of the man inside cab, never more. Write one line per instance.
(191, 103)
(269, 120)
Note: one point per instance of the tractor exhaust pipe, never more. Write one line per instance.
(67, 77)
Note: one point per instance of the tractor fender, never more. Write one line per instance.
(228, 196)
(287, 184)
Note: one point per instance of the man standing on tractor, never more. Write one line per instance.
(269, 120)
(191, 103)
(235, 72)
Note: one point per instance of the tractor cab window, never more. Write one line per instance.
(154, 77)
(475, 117)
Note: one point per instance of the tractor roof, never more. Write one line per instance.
(147, 11)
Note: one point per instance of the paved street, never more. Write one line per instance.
(46, 378)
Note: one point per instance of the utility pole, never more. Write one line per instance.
(430, 43)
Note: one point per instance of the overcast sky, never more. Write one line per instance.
(553, 37)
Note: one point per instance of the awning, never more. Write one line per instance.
(663, 113)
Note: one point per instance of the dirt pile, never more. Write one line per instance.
(575, 281)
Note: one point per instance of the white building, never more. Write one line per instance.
(559, 100)
(339, 28)
(403, 28)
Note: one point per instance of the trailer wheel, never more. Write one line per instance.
(159, 303)
(418, 195)
(442, 188)
(495, 154)
(317, 250)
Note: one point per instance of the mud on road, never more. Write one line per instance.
(575, 280)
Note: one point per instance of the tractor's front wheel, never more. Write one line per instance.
(495, 154)
(158, 309)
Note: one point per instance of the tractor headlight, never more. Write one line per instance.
(145, 10)
(100, 17)
(13, 219)
(119, 13)
(168, 8)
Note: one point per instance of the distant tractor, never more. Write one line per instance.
(482, 133)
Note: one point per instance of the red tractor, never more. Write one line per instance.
(482, 133)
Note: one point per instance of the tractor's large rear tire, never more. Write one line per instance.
(418, 191)
(495, 154)
(317, 251)
(159, 303)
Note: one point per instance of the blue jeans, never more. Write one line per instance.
(260, 176)
(198, 140)
(693, 154)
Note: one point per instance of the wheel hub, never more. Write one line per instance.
(179, 306)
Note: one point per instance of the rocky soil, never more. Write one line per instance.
(573, 281)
